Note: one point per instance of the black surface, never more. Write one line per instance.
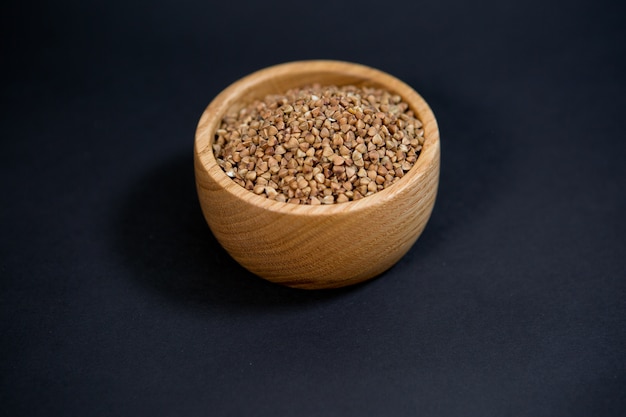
(117, 300)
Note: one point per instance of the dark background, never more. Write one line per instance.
(117, 300)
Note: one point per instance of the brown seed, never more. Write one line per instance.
(361, 148)
(328, 151)
(328, 199)
(271, 192)
(342, 198)
(302, 183)
(339, 171)
(357, 159)
(251, 175)
(272, 131)
(292, 143)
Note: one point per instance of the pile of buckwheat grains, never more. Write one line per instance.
(320, 144)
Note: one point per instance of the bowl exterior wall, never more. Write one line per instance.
(318, 251)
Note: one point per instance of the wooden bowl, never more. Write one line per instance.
(322, 246)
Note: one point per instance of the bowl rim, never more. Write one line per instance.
(223, 102)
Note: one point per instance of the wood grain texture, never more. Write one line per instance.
(308, 246)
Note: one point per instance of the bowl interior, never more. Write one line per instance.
(280, 78)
